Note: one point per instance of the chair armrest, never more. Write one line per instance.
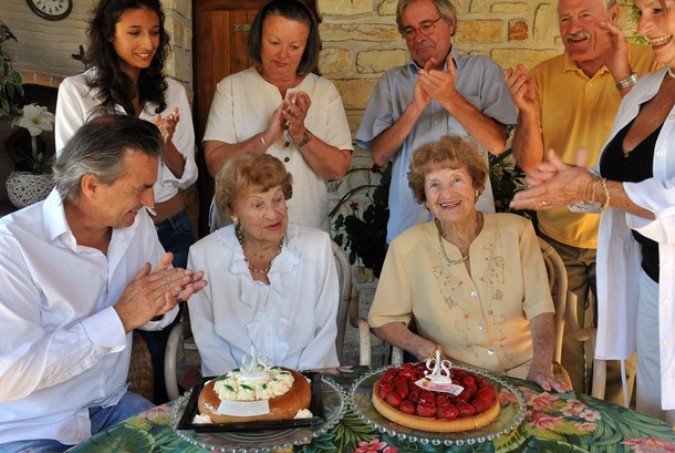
(364, 342)
(171, 357)
(396, 356)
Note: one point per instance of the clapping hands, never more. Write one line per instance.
(289, 116)
(167, 125)
(437, 84)
(294, 111)
(154, 293)
(554, 183)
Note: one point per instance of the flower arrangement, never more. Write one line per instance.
(35, 119)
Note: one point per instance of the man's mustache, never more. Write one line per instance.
(578, 36)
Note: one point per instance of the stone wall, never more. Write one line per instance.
(360, 40)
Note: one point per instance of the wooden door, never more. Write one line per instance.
(220, 34)
(219, 46)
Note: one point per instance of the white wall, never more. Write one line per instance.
(43, 45)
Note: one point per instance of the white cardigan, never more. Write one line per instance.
(619, 255)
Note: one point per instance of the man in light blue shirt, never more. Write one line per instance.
(439, 92)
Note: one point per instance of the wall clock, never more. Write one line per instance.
(51, 9)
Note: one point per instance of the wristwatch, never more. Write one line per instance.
(306, 137)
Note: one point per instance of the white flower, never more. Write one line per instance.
(36, 119)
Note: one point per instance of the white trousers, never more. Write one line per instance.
(648, 391)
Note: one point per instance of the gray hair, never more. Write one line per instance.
(445, 8)
(98, 147)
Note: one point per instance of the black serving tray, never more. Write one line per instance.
(191, 409)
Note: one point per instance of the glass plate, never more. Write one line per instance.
(509, 417)
(263, 441)
(191, 410)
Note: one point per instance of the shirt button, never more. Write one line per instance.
(666, 302)
(287, 159)
(481, 326)
(473, 293)
(491, 351)
(287, 144)
(666, 343)
(659, 153)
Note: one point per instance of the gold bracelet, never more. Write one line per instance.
(262, 139)
(605, 189)
(593, 190)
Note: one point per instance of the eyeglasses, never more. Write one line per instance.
(427, 27)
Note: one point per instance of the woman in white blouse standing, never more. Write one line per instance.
(127, 49)
(280, 107)
(272, 284)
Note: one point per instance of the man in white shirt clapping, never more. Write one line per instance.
(79, 271)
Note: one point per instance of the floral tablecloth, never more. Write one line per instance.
(569, 422)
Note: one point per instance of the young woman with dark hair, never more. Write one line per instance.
(126, 53)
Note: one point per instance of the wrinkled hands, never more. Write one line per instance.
(548, 380)
(521, 88)
(553, 183)
(154, 293)
(167, 125)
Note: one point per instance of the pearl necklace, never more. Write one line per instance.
(251, 267)
(445, 255)
(463, 259)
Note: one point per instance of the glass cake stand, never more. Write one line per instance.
(509, 417)
(334, 403)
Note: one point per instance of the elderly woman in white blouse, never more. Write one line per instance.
(274, 285)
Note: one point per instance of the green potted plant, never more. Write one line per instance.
(361, 228)
(507, 179)
(10, 80)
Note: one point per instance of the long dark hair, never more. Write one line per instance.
(116, 87)
(294, 10)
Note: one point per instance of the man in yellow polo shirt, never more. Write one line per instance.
(566, 103)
